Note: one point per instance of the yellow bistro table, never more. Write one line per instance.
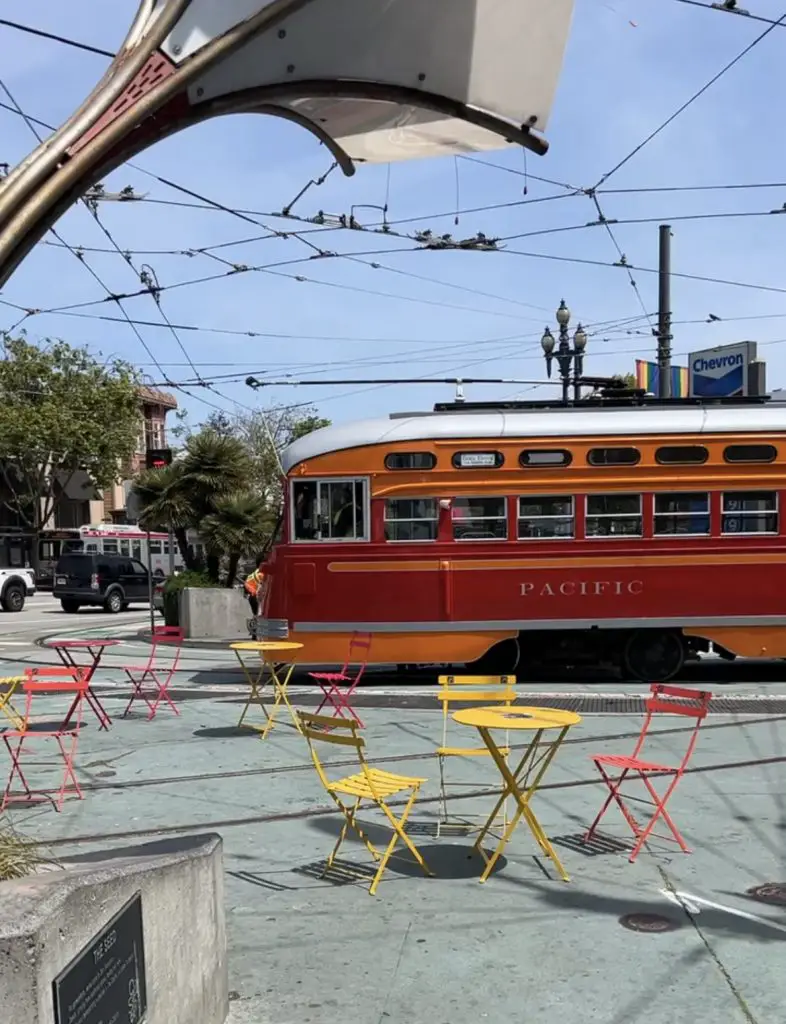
(266, 649)
(8, 687)
(522, 782)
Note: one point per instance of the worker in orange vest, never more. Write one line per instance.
(253, 585)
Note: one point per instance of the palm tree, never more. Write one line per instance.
(190, 491)
(238, 526)
(165, 501)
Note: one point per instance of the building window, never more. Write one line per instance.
(750, 512)
(613, 456)
(410, 460)
(614, 515)
(411, 519)
(154, 434)
(478, 460)
(681, 514)
(682, 455)
(332, 510)
(544, 518)
(479, 518)
(538, 458)
(750, 453)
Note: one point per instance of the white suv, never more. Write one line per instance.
(15, 586)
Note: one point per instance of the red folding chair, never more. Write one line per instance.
(338, 687)
(151, 682)
(47, 682)
(691, 703)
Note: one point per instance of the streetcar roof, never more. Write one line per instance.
(537, 423)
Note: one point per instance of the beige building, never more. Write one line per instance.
(152, 434)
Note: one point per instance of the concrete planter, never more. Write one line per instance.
(213, 612)
(48, 921)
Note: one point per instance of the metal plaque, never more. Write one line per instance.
(105, 984)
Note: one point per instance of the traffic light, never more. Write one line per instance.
(157, 458)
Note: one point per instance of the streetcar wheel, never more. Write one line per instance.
(653, 656)
(501, 659)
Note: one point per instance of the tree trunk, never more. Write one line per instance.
(232, 569)
(213, 565)
(185, 551)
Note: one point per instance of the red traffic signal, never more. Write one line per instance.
(157, 458)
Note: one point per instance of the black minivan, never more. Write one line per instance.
(111, 581)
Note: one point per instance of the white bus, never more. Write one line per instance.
(111, 539)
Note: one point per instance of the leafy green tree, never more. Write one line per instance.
(62, 412)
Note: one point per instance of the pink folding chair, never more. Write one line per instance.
(338, 687)
(690, 703)
(151, 682)
(47, 681)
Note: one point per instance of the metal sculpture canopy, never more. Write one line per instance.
(374, 80)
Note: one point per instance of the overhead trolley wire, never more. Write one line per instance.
(692, 99)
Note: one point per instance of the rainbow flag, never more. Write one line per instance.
(647, 378)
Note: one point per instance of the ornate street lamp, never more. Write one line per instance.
(566, 356)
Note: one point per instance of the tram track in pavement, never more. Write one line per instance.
(328, 809)
(427, 755)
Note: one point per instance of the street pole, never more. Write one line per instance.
(171, 551)
(664, 311)
(150, 584)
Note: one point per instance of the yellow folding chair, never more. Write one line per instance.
(8, 687)
(371, 785)
(491, 690)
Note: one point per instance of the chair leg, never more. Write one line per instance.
(442, 790)
(399, 832)
(614, 788)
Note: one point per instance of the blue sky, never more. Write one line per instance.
(444, 314)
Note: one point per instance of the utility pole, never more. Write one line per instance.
(663, 332)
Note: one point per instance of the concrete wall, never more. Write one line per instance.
(46, 921)
(219, 612)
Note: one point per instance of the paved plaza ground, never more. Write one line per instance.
(524, 946)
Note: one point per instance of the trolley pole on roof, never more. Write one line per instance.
(663, 332)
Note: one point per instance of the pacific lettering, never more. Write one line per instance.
(583, 588)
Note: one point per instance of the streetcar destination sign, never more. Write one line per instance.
(582, 588)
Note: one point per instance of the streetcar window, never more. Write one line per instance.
(479, 518)
(681, 514)
(155, 547)
(110, 547)
(329, 510)
(545, 518)
(536, 457)
(613, 456)
(614, 515)
(682, 455)
(750, 453)
(750, 512)
(410, 519)
(125, 547)
(478, 460)
(92, 548)
(410, 460)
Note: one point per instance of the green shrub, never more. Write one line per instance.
(172, 588)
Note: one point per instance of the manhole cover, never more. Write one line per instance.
(770, 892)
(648, 923)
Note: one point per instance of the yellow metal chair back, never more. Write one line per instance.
(369, 784)
(493, 690)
